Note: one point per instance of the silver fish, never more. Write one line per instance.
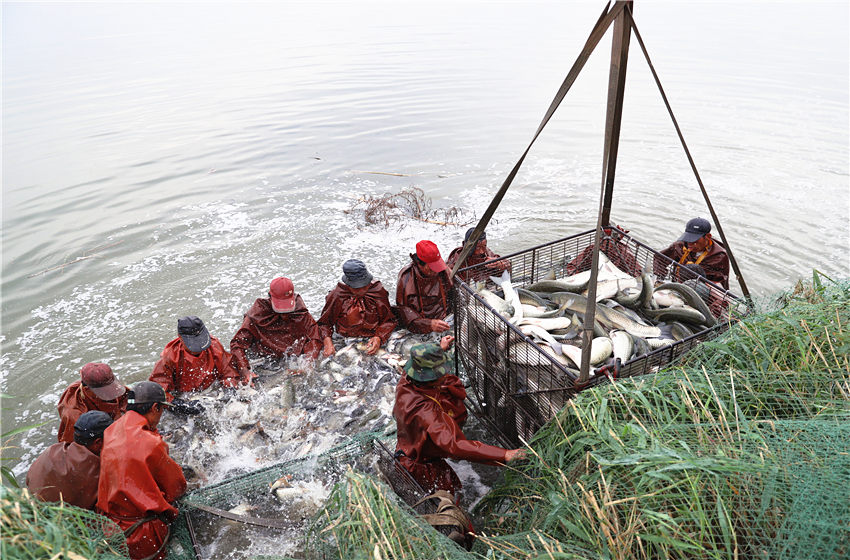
(501, 306)
(511, 296)
(623, 345)
(608, 317)
(550, 323)
(679, 313)
(693, 299)
(600, 348)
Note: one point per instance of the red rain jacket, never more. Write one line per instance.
(421, 298)
(368, 315)
(138, 479)
(715, 263)
(429, 421)
(493, 269)
(66, 471)
(276, 334)
(617, 251)
(178, 370)
(77, 400)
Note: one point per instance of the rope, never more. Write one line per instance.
(596, 34)
(732, 260)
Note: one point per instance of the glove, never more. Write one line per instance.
(188, 408)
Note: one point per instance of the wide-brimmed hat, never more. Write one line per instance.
(90, 425)
(100, 380)
(695, 229)
(193, 333)
(429, 254)
(428, 362)
(282, 295)
(354, 273)
(145, 392)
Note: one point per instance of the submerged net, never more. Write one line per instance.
(35, 529)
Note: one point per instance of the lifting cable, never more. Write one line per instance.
(602, 24)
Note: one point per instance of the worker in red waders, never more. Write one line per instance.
(138, 480)
(97, 389)
(277, 326)
(358, 306)
(480, 254)
(69, 472)
(424, 293)
(193, 362)
(429, 412)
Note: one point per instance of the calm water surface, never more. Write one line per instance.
(178, 157)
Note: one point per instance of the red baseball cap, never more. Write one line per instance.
(427, 251)
(282, 295)
(101, 381)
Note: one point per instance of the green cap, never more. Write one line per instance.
(428, 362)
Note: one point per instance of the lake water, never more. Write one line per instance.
(178, 157)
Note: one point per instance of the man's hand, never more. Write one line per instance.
(512, 455)
(438, 325)
(247, 377)
(329, 349)
(373, 345)
(446, 342)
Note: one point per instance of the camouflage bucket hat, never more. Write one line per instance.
(428, 362)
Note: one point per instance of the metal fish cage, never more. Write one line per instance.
(518, 385)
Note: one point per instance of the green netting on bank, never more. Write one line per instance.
(33, 529)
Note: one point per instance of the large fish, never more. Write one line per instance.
(538, 333)
(684, 313)
(693, 299)
(511, 297)
(600, 348)
(609, 288)
(608, 317)
(623, 344)
(502, 307)
(550, 323)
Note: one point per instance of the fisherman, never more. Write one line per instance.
(69, 472)
(192, 362)
(97, 389)
(138, 480)
(430, 412)
(357, 306)
(481, 253)
(424, 291)
(697, 246)
(614, 246)
(277, 327)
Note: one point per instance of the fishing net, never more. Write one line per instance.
(685, 465)
(221, 538)
(35, 529)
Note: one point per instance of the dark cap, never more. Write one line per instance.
(355, 273)
(282, 295)
(100, 380)
(469, 234)
(428, 362)
(193, 333)
(90, 425)
(695, 229)
(145, 392)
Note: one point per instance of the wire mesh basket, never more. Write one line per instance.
(517, 385)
